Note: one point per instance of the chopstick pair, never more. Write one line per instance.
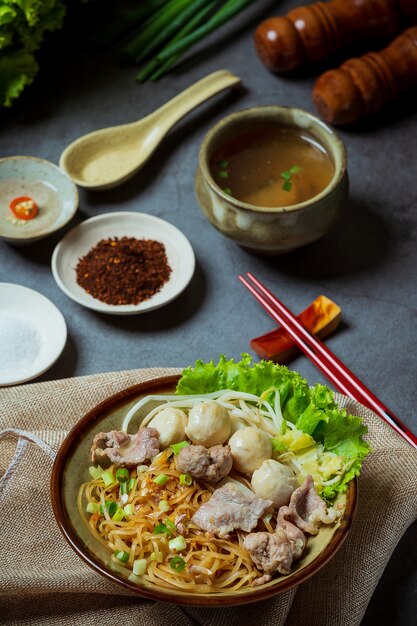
(341, 377)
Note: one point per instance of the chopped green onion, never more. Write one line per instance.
(169, 523)
(129, 509)
(131, 483)
(286, 175)
(186, 479)
(122, 555)
(277, 446)
(95, 472)
(93, 507)
(222, 174)
(119, 515)
(141, 468)
(123, 489)
(111, 507)
(176, 447)
(294, 169)
(287, 186)
(178, 544)
(177, 564)
(139, 566)
(163, 505)
(122, 474)
(227, 190)
(161, 479)
(107, 477)
(222, 164)
(161, 529)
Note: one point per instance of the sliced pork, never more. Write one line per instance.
(211, 464)
(123, 449)
(308, 510)
(271, 552)
(295, 535)
(229, 509)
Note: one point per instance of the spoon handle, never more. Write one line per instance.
(171, 112)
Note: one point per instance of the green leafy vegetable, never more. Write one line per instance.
(313, 410)
(23, 24)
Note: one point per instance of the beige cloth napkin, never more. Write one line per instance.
(42, 582)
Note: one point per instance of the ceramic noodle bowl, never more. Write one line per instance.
(272, 230)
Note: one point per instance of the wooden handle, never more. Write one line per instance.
(310, 33)
(362, 86)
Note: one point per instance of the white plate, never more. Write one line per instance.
(33, 334)
(82, 238)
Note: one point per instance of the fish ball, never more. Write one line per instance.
(170, 424)
(250, 448)
(274, 481)
(208, 424)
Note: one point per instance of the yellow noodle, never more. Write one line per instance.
(228, 563)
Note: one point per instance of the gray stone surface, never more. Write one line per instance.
(367, 264)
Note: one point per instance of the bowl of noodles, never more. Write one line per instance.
(144, 521)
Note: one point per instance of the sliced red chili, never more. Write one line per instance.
(24, 208)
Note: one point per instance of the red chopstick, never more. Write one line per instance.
(342, 378)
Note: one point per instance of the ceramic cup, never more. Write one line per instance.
(277, 230)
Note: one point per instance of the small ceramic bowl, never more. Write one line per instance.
(277, 230)
(53, 191)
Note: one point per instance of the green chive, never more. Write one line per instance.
(186, 479)
(169, 523)
(122, 475)
(222, 174)
(93, 507)
(161, 529)
(129, 509)
(176, 447)
(95, 472)
(139, 567)
(122, 556)
(110, 506)
(119, 515)
(287, 186)
(178, 544)
(107, 477)
(222, 164)
(177, 564)
(161, 479)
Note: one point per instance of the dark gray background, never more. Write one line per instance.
(366, 264)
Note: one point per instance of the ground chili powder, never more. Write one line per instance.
(123, 271)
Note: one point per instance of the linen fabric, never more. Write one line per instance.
(43, 582)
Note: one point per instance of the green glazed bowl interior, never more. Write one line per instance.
(71, 469)
(264, 116)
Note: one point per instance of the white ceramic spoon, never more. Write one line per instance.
(108, 157)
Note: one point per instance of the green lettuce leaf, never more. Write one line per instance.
(312, 410)
(17, 70)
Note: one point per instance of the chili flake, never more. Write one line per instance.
(124, 271)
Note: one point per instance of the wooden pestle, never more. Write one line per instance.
(313, 32)
(362, 86)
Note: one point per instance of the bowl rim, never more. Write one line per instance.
(252, 112)
(75, 199)
(255, 594)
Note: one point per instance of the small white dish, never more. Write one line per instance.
(86, 235)
(33, 334)
(51, 189)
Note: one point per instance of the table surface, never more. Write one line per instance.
(366, 264)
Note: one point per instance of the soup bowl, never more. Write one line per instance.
(280, 229)
(71, 469)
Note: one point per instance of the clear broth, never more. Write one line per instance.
(272, 167)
